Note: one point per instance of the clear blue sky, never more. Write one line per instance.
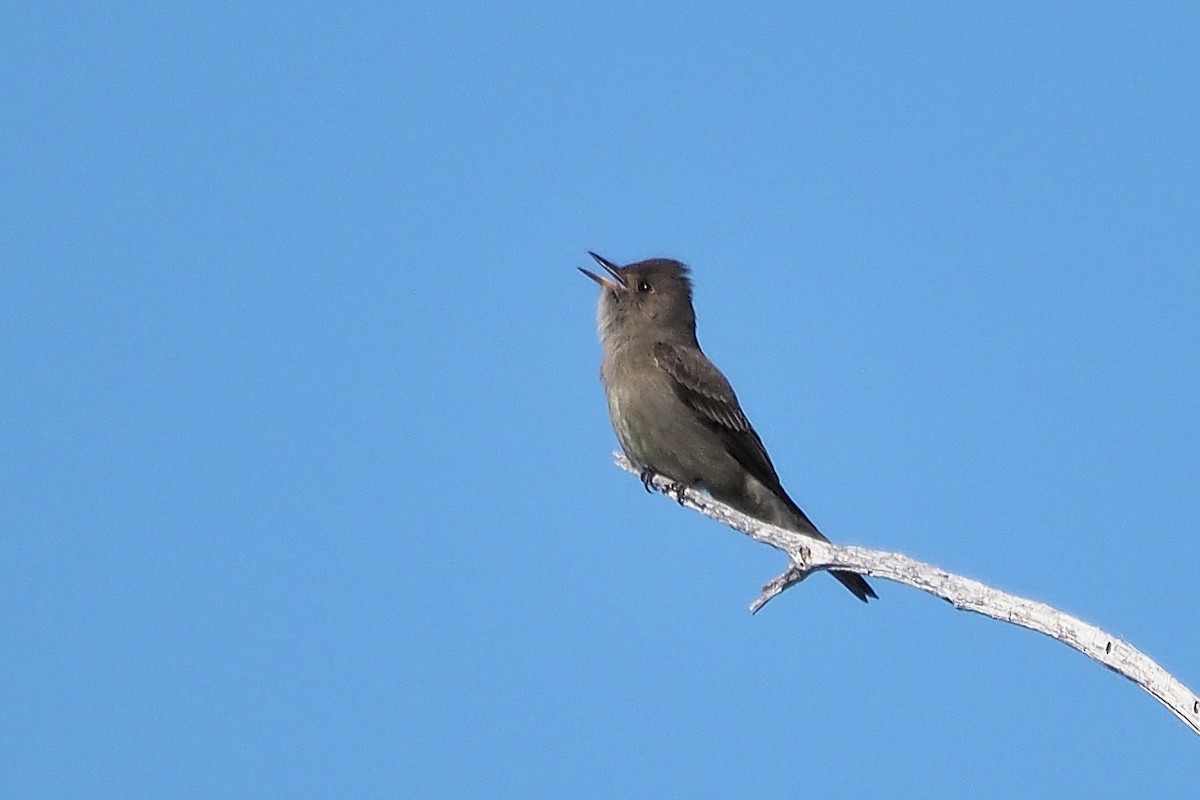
(306, 484)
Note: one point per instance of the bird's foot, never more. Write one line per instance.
(647, 476)
(676, 489)
(679, 490)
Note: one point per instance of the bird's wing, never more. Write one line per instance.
(702, 387)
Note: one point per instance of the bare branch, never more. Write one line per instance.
(807, 555)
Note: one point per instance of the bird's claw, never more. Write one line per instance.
(675, 489)
(679, 491)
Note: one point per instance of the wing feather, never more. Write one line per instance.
(702, 387)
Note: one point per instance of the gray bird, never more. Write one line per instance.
(673, 411)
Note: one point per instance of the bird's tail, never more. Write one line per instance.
(855, 583)
(851, 580)
(779, 509)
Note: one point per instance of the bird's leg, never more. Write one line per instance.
(679, 489)
(676, 489)
(647, 476)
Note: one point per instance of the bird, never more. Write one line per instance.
(674, 412)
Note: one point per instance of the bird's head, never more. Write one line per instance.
(651, 298)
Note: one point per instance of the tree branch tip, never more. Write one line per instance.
(807, 555)
(776, 586)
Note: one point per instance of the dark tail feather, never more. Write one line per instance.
(855, 583)
(851, 580)
(773, 505)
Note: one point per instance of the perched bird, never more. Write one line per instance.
(673, 411)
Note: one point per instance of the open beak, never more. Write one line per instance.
(617, 284)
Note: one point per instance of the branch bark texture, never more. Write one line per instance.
(807, 555)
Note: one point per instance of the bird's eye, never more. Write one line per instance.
(644, 286)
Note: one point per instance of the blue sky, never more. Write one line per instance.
(307, 481)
